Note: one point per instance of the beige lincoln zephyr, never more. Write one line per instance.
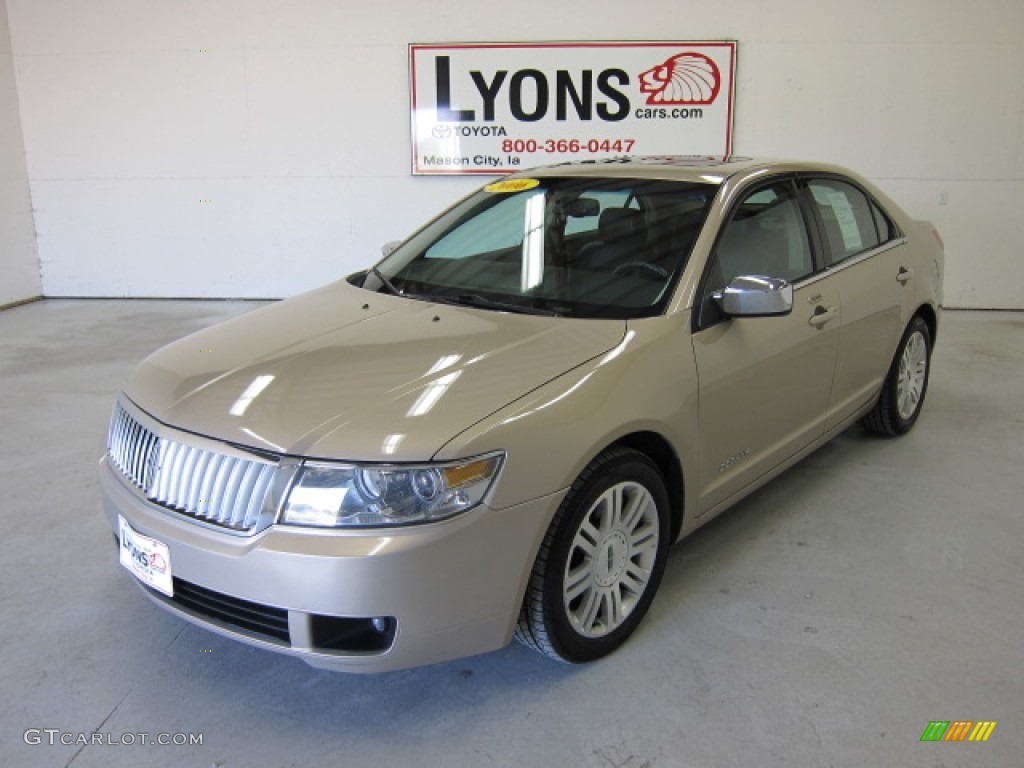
(500, 429)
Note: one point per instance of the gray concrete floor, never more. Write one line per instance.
(823, 622)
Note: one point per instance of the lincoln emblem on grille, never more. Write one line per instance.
(152, 466)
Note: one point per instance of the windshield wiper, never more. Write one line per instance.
(464, 299)
(476, 300)
(385, 282)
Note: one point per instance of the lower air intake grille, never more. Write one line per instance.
(253, 619)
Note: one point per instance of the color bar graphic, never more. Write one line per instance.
(958, 730)
(982, 730)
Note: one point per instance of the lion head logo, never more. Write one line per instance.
(686, 78)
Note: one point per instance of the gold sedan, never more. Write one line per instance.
(500, 428)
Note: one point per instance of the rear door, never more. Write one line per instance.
(865, 257)
(764, 382)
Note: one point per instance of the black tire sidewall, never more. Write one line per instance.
(901, 425)
(633, 467)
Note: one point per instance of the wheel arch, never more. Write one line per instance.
(660, 451)
(931, 318)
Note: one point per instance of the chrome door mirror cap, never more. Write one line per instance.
(755, 296)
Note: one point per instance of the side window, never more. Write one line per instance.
(765, 236)
(886, 229)
(849, 218)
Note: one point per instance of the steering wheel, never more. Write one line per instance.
(638, 268)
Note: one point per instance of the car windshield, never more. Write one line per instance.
(578, 247)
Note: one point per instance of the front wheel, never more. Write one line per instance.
(903, 391)
(601, 560)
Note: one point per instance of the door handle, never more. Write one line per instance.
(822, 315)
(904, 275)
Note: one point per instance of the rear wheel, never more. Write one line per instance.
(601, 560)
(903, 391)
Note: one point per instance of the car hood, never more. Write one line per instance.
(344, 373)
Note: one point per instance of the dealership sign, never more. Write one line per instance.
(494, 108)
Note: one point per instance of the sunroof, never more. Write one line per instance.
(687, 161)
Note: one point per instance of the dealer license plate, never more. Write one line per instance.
(149, 560)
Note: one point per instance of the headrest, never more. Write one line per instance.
(617, 223)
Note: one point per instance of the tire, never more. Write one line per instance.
(597, 571)
(906, 384)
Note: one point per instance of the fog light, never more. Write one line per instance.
(352, 635)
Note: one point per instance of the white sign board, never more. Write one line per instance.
(492, 108)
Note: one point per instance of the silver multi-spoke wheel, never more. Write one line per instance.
(902, 394)
(601, 559)
(912, 375)
(611, 559)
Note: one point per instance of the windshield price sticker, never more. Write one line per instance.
(493, 108)
(512, 185)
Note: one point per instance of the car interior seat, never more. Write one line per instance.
(622, 238)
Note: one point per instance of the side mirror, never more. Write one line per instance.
(387, 248)
(755, 296)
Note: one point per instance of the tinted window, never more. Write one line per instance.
(620, 198)
(765, 236)
(848, 218)
(497, 228)
(886, 230)
(580, 247)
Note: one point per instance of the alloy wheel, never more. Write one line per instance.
(912, 375)
(611, 559)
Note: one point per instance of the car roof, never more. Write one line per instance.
(675, 167)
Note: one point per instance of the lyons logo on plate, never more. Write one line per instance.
(146, 558)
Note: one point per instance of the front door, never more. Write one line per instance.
(764, 381)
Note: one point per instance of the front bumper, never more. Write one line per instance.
(447, 589)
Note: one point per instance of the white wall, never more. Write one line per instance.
(19, 266)
(291, 118)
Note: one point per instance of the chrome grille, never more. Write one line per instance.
(227, 491)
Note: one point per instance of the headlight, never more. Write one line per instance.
(351, 496)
